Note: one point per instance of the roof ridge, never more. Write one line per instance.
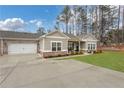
(14, 34)
(16, 31)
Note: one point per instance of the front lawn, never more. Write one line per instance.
(111, 60)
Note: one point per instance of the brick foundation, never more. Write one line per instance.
(54, 54)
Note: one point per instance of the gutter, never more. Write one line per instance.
(20, 39)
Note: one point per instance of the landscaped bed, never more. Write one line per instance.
(111, 60)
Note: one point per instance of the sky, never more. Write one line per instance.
(28, 18)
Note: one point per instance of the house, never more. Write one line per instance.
(50, 44)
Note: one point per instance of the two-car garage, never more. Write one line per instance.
(14, 42)
(22, 48)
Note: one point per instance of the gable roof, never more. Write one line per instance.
(88, 37)
(48, 34)
(27, 35)
(13, 34)
(72, 37)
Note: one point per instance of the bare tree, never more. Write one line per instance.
(123, 27)
(118, 29)
(65, 16)
(103, 21)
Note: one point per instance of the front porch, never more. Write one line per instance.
(80, 47)
(76, 47)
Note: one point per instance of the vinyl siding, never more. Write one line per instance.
(47, 46)
(56, 34)
(82, 45)
(41, 44)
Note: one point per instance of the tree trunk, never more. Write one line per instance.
(101, 24)
(123, 27)
(66, 27)
(96, 24)
(86, 21)
(118, 32)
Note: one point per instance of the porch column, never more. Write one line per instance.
(79, 46)
(1, 47)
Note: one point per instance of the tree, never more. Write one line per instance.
(74, 14)
(105, 21)
(65, 16)
(118, 31)
(83, 18)
(57, 25)
(101, 20)
(41, 30)
(48, 31)
(123, 26)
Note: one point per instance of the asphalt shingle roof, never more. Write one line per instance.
(86, 36)
(13, 34)
(72, 37)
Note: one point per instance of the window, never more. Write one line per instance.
(56, 46)
(93, 46)
(53, 46)
(88, 46)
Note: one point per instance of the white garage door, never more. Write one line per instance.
(22, 48)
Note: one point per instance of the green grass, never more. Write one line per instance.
(111, 60)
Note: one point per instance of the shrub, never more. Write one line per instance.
(72, 53)
(94, 52)
(99, 51)
(81, 51)
(59, 55)
(76, 52)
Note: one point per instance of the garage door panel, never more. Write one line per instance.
(22, 48)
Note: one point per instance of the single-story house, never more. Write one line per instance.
(50, 44)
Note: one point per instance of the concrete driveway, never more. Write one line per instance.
(32, 71)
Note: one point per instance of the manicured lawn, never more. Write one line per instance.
(111, 60)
